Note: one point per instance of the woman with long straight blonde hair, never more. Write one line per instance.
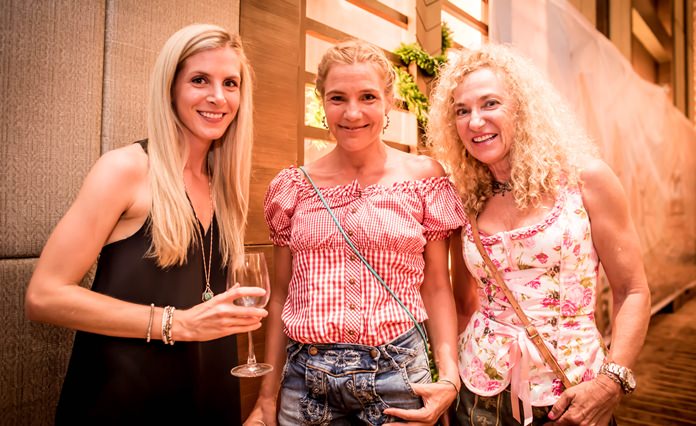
(165, 217)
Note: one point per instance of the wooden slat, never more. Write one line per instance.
(452, 9)
(383, 11)
(333, 36)
(665, 373)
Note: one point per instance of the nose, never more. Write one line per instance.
(216, 95)
(352, 111)
(476, 121)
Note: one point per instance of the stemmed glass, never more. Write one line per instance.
(252, 273)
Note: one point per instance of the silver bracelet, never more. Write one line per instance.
(450, 382)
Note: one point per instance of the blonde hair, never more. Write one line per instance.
(548, 143)
(173, 220)
(351, 52)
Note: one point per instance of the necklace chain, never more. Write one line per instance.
(500, 187)
(207, 266)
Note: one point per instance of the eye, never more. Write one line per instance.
(461, 111)
(336, 98)
(369, 97)
(231, 83)
(199, 79)
(490, 103)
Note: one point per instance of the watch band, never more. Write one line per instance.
(620, 374)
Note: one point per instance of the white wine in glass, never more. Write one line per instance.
(252, 273)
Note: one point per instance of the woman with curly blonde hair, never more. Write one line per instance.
(548, 212)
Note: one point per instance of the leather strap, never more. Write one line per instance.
(529, 328)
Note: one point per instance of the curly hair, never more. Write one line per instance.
(548, 144)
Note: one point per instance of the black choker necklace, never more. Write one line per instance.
(500, 187)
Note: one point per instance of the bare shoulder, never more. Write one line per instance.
(601, 189)
(419, 167)
(129, 162)
(116, 179)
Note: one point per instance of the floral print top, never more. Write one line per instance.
(551, 268)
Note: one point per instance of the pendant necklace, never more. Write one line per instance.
(207, 266)
(500, 187)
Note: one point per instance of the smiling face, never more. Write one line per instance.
(484, 118)
(355, 102)
(206, 93)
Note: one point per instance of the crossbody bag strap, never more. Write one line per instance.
(367, 264)
(529, 328)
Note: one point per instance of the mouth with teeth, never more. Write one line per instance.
(484, 138)
(352, 128)
(212, 115)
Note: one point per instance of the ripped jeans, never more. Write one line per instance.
(346, 384)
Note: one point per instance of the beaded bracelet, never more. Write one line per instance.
(170, 320)
(149, 323)
(167, 317)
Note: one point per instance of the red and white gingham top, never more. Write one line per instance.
(332, 296)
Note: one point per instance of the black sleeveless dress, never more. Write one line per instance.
(112, 380)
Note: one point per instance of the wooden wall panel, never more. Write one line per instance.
(135, 32)
(271, 31)
(51, 55)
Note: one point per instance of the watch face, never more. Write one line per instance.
(631, 381)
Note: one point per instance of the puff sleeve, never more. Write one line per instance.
(279, 207)
(442, 209)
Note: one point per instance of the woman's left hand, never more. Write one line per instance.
(588, 403)
(437, 397)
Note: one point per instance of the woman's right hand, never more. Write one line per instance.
(263, 414)
(218, 317)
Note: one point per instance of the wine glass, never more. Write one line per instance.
(252, 273)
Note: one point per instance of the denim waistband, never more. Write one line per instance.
(409, 338)
(345, 358)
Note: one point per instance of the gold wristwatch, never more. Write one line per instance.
(621, 375)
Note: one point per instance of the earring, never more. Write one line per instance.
(386, 125)
(323, 123)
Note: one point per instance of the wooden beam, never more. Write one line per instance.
(648, 15)
(333, 36)
(657, 48)
(460, 14)
(316, 133)
(383, 11)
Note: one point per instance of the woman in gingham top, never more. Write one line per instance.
(549, 211)
(354, 355)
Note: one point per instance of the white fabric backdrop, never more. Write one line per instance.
(648, 142)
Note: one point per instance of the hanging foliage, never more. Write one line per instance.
(407, 88)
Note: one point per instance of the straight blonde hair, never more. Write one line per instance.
(172, 219)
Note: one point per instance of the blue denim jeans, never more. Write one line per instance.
(346, 384)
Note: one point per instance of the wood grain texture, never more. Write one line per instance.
(665, 373)
(270, 30)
